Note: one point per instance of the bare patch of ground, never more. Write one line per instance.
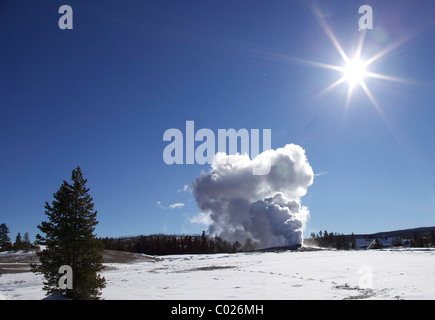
(14, 268)
(361, 293)
(113, 256)
(208, 268)
(17, 262)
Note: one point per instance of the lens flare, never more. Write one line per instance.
(354, 71)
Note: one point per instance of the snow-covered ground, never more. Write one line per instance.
(371, 274)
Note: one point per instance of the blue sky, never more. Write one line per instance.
(101, 96)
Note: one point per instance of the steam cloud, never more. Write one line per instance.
(265, 208)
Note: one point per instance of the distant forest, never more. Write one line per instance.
(161, 244)
(337, 241)
(327, 239)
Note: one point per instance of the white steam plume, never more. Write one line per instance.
(265, 208)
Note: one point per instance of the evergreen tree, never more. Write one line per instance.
(353, 241)
(5, 241)
(26, 242)
(204, 245)
(397, 242)
(70, 241)
(417, 241)
(432, 239)
(249, 245)
(236, 246)
(18, 244)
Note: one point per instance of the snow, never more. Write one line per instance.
(21, 286)
(326, 274)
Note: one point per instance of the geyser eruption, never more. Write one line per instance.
(264, 208)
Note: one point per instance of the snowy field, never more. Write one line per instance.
(371, 274)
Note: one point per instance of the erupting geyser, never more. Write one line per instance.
(264, 208)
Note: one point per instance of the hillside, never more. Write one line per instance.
(17, 262)
(395, 233)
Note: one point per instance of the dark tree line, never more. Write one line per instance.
(327, 239)
(340, 242)
(423, 240)
(21, 243)
(161, 244)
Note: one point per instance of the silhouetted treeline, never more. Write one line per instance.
(161, 244)
(423, 240)
(19, 244)
(341, 242)
(327, 239)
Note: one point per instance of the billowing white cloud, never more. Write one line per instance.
(265, 208)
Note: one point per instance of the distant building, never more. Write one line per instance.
(384, 240)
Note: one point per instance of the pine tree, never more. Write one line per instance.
(204, 245)
(432, 239)
(18, 244)
(70, 241)
(26, 242)
(353, 241)
(5, 241)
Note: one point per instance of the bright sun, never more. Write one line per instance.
(354, 71)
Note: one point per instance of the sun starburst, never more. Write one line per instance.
(353, 71)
